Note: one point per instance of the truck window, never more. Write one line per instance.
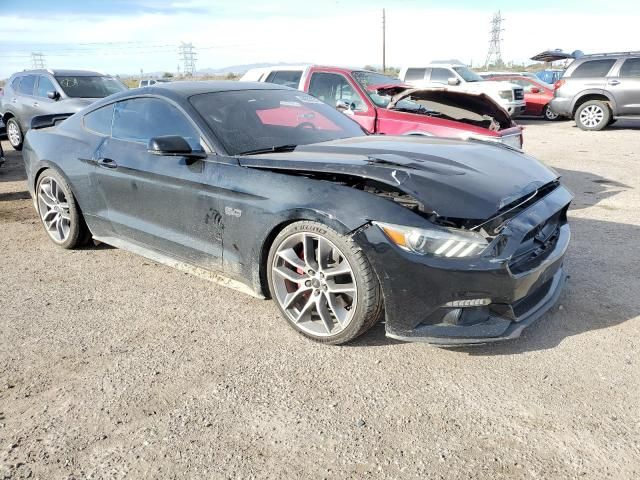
(631, 68)
(415, 74)
(593, 68)
(331, 87)
(288, 78)
(441, 75)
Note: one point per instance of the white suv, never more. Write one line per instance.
(456, 76)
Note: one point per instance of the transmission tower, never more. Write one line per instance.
(494, 57)
(37, 60)
(187, 54)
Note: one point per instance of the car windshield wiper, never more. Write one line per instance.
(273, 149)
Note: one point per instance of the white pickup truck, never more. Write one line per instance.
(456, 76)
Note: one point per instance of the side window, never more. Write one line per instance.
(44, 86)
(441, 75)
(100, 120)
(141, 119)
(16, 84)
(144, 83)
(631, 68)
(27, 85)
(286, 78)
(331, 87)
(415, 74)
(593, 68)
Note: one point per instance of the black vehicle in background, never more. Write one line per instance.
(451, 241)
(45, 92)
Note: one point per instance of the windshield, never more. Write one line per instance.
(367, 79)
(89, 87)
(256, 120)
(468, 74)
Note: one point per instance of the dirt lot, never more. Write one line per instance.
(114, 367)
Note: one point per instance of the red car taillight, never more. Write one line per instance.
(558, 84)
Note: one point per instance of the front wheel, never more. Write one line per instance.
(59, 211)
(593, 115)
(322, 283)
(549, 114)
(14, 134)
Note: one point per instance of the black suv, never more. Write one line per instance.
(44, 92)
(596, 90)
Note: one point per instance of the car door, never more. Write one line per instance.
(23, 101)
(163, 202)
(439, 77)
(42, 103)
(534, 94)
(335, 89)
(625, 87)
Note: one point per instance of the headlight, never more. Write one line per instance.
(506, 94)
(438, 242)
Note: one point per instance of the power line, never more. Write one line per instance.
(495, 41)
(37, 60)
(187, 53)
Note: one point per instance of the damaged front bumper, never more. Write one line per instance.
(447, 301)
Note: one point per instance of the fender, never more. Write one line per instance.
(593, 91)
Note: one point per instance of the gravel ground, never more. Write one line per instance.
(114, 367)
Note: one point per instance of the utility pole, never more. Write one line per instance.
(384, 41)
(37, 60)
(495, 41)
(187, 53)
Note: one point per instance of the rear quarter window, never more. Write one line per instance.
(593, 68)
(631, 68)
(100, 120)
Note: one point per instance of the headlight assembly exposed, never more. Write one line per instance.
(440, 242)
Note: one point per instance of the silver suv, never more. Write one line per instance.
(596, 90)
(48, 92)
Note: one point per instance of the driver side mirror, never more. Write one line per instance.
(343, 105)
(53, 95)
(453, 81)
(175, 146)
(534, 90)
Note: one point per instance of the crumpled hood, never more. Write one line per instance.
(458, 179)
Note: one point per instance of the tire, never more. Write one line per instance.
(593, 115)
(316, 300)
(548, 114)
(59, 212)
(14, 134)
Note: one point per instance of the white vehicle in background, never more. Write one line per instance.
(152, 81)
(459, 77)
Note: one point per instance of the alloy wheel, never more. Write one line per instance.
(54, 210)
(314, 284)
(592, 116)
(13, 133)
(550, 114)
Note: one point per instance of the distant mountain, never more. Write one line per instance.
(237, 69)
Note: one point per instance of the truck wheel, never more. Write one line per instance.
(593, 115)
(14, 134)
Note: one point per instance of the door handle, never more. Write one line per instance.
(107, 163)
(35, 104)
(614, 82)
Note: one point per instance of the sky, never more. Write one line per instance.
(125, 37)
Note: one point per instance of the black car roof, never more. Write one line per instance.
(64, 73)
(189, 88)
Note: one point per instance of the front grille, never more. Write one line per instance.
(518, 93)
(537, 244)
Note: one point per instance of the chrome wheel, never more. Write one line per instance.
(54, 210)
(314, 284)
(549, 114)
(14, 134)
(592, 116)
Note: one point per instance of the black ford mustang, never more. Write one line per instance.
(270, 190)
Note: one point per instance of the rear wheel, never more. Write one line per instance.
(322, 283)
(59, 211)
(549, 114)
(593, 115)
(14, 134)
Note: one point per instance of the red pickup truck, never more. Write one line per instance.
(385, 105)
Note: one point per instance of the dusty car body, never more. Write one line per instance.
(456, 241)
(357, 93)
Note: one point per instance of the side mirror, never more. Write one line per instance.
(174, 146)
(344, 106)
(53, 95)
(453, 81)
(534, 90)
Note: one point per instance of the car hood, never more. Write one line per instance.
(455, 179)
(478, 103)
